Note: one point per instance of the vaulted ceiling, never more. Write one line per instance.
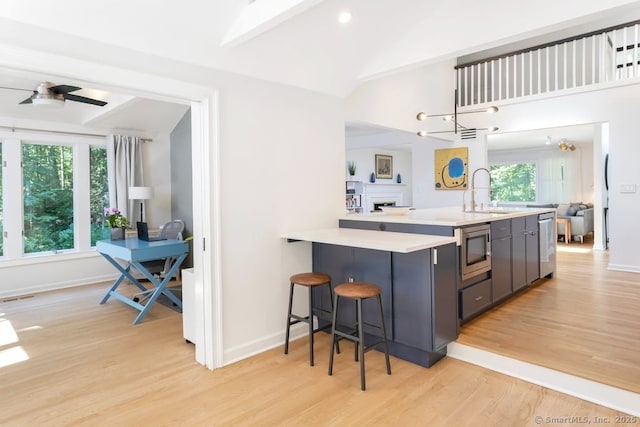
(294, 42)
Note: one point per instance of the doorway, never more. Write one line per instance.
(203, 103)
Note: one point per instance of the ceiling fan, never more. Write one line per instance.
(50, 94)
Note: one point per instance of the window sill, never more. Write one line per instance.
(47, 258)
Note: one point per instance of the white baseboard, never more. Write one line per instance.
(622, 267)
(56, 286)
(261, 345)
(591, 391)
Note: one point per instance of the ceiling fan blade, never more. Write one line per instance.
(63, 89)
(28, 100)
(84, 99)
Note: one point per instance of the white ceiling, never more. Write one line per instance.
(294, 42)
(126, 113)
(541, 138)
(364, 135)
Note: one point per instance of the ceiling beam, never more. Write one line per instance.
(261, 16)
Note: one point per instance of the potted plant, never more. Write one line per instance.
(117, 222)
(351, 168)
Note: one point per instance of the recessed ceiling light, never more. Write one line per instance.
(344, 17)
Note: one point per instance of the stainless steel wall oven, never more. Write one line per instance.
(475, 251)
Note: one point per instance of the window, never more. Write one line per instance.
(47, 179)
(53, 191)
(99, 192)
(514, 182)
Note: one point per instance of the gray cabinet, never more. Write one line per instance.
(501, 260)
(533, 248)
(364, 265)
(418, 295)
(424, 300)
(475, 299)
(525, 251)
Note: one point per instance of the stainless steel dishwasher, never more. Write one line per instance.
(547, 235)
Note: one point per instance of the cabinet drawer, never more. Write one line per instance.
(531, 222)
(500, 229)
(475, 298)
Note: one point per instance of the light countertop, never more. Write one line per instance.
(451, 216)
(368, 239)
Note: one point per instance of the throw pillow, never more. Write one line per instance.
(562, 209)
(572, 210)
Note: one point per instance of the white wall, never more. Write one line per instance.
(365, 161)
(394, 101)
(157, 174)
(425, 195)
(281, 157)
(391, 102)
(616, 106)
(282, 163)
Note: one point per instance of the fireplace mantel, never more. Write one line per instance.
(384, 184)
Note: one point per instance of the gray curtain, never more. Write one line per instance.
(124, 157)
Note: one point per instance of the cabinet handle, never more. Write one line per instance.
(479, 298)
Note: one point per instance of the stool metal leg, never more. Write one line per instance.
(356, 343)
(333, 311)
(286, 340)
(384, 336)
(360, 342)
(333, 332)
(311, 326)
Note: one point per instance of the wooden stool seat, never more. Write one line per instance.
(310, 279)
(357, 290)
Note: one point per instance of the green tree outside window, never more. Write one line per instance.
(47, 177)
(99, 193)
(514, 182)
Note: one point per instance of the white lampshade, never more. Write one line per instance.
(140, 193)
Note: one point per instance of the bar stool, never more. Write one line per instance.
(310, 281)
(358, 291)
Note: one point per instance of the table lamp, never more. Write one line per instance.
(142, 194)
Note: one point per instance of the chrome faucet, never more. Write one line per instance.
(473, 187)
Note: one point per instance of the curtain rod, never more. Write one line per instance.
(13, 129)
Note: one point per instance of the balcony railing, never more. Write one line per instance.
(607, 55)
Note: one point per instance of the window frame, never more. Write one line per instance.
(537, 178)
(13, 193)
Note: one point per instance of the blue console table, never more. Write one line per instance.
(134, 252)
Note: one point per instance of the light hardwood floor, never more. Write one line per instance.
(585, 321)
(86, 364)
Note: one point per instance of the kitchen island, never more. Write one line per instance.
(520, 248)
(415, 259)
